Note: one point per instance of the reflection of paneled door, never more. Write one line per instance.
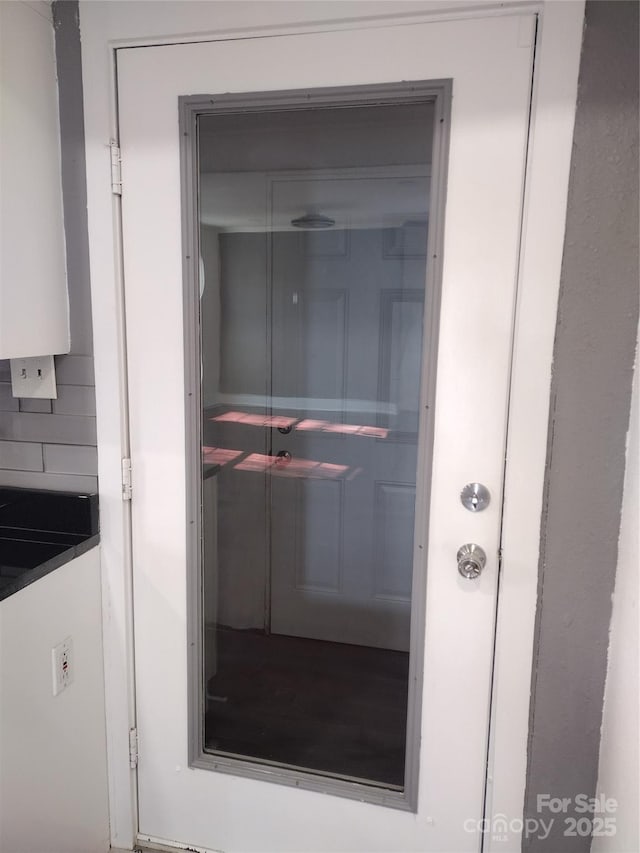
(347, 343)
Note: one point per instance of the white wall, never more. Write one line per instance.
(619, 761)
(53, 766)
(34, 311)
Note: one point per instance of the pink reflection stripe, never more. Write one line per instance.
(348, 429)
(375, 432)
(219, 455)
(255, 420)
(310, 425)
(255, 462)
(308, 468)
(291, 468)
(307, 425)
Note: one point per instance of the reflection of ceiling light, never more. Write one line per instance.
(313, 220)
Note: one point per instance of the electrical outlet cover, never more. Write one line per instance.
(34, 377)
(62, 665)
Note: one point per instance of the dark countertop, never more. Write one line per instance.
(41, 531)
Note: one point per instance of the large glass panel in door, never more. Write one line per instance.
(314, 318)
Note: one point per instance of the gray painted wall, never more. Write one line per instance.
(44, 443)
(592, 377)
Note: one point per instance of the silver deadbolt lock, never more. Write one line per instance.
(475, 497)
(471, 561)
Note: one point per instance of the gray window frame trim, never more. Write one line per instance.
(438, 92)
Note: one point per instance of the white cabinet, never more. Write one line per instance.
(34, 309)
(54, 761)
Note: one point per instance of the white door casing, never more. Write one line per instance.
(488, 137)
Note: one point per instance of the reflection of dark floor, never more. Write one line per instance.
(323, 706)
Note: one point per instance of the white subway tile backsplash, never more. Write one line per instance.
(35, 406)
(40, 480)
(74, 369)
(70, 459)
(8, 403)
(75, 400)
(66, 428)
(20, 456)
(54, 429)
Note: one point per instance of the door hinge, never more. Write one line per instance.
(499, 560)
(126, 479)
(133, 748)
(116, 169)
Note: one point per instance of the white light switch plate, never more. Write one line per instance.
(62, 665)
(34, 377)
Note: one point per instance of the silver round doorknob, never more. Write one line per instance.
(471, 561)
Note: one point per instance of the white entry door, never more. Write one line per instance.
(192, 791)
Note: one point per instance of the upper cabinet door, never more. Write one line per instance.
(34, 305)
